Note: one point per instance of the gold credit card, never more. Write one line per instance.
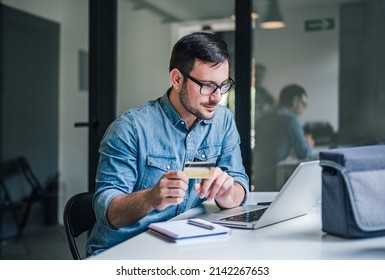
(199, 169)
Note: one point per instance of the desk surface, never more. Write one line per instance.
(296, 239)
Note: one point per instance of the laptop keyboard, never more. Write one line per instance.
(246, 217)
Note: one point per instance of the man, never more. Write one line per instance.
(264, 101)
(140, 178)
(279, 134)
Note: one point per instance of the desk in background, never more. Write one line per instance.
(296, 239)
(286, 167)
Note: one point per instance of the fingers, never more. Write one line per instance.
(170, 190)
(177, 175)
(218, 186)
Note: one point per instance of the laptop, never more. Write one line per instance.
(300, 193)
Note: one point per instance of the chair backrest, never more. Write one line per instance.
(9, 169)
(78, 217)
(13, 193)
(20, 189)
(20, 168)
(29, 175)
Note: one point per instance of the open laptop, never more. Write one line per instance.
(300, 193)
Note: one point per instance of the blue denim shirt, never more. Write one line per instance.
(277, 135)
(144, 143)
(281, 132)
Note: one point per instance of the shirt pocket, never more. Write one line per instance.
(156, 166)
(208, 153)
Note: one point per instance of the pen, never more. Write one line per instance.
(199, 224)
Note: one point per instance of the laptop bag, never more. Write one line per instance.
(353, 191)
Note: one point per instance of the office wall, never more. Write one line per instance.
(29, 109)
(144, 44)
(72, 15)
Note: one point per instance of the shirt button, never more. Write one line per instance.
(189, 136)
(182, 122)
(168, 167)
(203, 156)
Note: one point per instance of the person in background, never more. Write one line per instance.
(280, 134)
(140, 177)
(264, 100)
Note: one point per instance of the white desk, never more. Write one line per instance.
(297, 239)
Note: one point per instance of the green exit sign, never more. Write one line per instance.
(322, 24)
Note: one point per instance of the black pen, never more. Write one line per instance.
(199, 224)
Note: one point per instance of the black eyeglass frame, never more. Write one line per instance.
(213, 86)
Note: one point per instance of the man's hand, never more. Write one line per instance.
(170, 190)
(222, 188)
(309, 140)
(127, 209)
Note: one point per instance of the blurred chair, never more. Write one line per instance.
(8, 204)
(19, 190)
(78, 217)
(38, 193)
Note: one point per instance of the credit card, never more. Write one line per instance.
(198, 169)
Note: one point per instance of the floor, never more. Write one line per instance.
(45, 243)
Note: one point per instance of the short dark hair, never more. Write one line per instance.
(289, 93)
(203, 46)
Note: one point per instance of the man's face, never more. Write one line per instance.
(192, 100)
(300, 104)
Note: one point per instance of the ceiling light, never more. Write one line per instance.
(273, 18)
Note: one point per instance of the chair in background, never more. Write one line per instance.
(78, 217)
(38, 193)
(9, 204)
(19, 190)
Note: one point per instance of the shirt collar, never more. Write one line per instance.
(285, 110)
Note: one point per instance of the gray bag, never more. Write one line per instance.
(353, 191)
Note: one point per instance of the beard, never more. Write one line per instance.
(186, 103)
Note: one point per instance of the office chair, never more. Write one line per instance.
(78, 217)
(9, 170)
(16, 179)
(38, 193)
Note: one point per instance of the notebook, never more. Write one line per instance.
(188, 229)
(297, 197)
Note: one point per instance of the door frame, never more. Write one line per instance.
(102, 77)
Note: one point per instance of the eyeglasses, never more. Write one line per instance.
(210, 88)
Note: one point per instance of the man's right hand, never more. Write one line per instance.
(170, 190)
(127, 209)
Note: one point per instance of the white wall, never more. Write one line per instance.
(144, 47)
(72, 15)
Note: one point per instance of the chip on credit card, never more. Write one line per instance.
(195, 170)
